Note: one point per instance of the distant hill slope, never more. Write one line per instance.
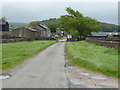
(54, 23)
(14, 25)
(104, 27)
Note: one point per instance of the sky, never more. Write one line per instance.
(29, 10)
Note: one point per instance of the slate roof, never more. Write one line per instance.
(104, 33)
(43, 26)
(30, 29)
(27, 28)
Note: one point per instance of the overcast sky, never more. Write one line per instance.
(30, 11)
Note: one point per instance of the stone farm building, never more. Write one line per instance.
(39, 32)
(24, 32)
(42, 31)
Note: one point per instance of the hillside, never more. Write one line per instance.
(14, 25)
(104, 27)
(54, 23)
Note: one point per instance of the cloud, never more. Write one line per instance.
(29, 11)
(59, 0)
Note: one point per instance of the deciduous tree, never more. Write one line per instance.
(78, 25)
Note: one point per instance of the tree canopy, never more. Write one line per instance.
(52, 23)
(76, 24)
(33, 24)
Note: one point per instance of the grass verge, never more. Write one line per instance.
(13, 53)
(93, 57)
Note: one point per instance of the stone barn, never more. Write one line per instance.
(42, 31)
(24, 32)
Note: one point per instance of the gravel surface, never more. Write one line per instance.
(81, 78)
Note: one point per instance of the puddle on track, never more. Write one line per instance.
(87, 85)
(100, 78)
(4, 76)
(71, 67)
(78, 70)
(85, 74)
(75, 82)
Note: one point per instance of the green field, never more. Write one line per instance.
(13, 53)
(92, 57)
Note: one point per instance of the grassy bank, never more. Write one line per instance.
(93, 57)
(13, 53)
